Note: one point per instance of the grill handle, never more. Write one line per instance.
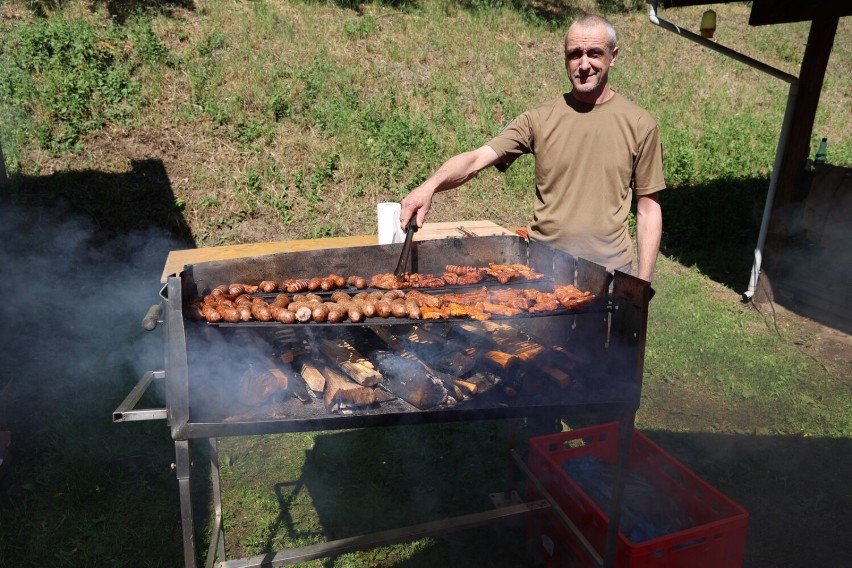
(152, 318)
(126, 411)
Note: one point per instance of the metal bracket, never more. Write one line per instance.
(126, 410)
(505, 499)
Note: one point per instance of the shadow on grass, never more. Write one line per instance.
(118, 9)
(85, 251)
(370, 480)
(378, 479)
(553, 12)
(114, 203)
(714, 226)
(795, 490)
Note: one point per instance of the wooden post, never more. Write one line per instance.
(811, 77)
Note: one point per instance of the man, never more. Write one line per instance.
(593, 149)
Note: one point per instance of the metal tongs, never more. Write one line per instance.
(406, 248)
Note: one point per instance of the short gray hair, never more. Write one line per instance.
(593, 21)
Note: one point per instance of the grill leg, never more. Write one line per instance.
(217, 535)
(182, 465)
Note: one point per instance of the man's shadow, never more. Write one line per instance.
(115, 203)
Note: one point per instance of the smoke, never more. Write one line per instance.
(73, 308)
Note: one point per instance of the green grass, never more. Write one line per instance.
(272, 89)
(734, 359)
(227, 123)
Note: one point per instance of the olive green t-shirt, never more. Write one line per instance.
(588, 160)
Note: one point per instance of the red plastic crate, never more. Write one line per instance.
(716, 539)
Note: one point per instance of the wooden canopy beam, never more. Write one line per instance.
(811, 77)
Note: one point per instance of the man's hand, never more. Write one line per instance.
(649, 230)
(416, 205)
(453, 173)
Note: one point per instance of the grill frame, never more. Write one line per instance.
(620, 319)
(619, 327)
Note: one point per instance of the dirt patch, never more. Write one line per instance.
(832, 348)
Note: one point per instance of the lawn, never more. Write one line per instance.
(128, 134)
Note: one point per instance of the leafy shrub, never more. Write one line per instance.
(71, 77)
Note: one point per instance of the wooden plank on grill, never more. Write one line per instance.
(460, 229)
(350, 362)
(177, 260)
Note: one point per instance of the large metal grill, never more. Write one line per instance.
(586, 361)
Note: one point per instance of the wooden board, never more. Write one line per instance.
(457, 229)
(178, 259)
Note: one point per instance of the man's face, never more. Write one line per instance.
(587, 60)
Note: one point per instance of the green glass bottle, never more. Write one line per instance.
(821, 154)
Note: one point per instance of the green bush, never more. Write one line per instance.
(71, 77)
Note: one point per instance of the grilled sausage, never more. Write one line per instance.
(267, 286)
(320, 313)
(336, 314)
(286, 316)
(398, 308)
(210, 313)
(367, 307)
(193, 311)
(229, 314)
(383, 308)
(340, 296)
(354, 313)
(260, 310)
(392, 295)
(245, 311)
(303, 314)
(292, 285)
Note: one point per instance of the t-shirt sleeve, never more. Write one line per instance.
(648, 173)
(514, 140)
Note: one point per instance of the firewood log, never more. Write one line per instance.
(313, 377)
(339, 388)
(467, 386)
(560, 376)
(351, 362)
(501, 359)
